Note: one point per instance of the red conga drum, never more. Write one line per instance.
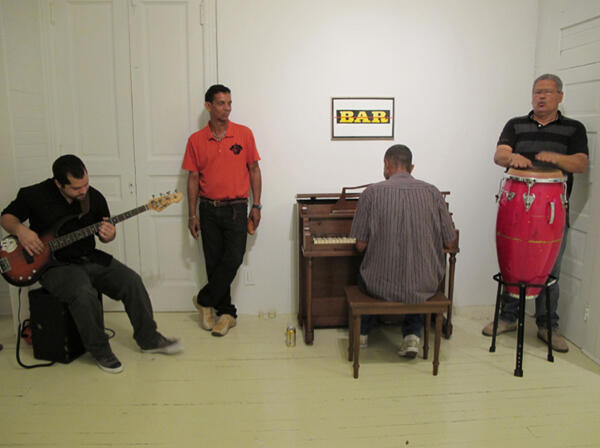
(529, 226)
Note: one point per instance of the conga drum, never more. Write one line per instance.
(529, 226)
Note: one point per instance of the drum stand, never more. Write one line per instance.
(521, 323)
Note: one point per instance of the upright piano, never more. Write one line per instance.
(328, 260)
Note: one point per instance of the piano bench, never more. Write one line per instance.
(360, 304)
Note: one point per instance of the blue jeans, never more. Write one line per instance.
(411, 324)
(509, 310)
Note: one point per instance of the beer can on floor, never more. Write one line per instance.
(290, 336)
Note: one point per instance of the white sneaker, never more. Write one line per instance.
(410, 346)
(364, 340)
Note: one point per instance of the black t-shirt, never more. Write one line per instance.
(48, 211)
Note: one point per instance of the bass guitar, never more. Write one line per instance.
(21, 269)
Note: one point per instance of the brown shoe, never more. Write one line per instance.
(503, 327)
(558, 342)
(225, 322)
(207, 318)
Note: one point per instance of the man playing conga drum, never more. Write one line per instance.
(542, 138)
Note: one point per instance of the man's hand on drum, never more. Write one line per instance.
(518, 161)
(547, 156)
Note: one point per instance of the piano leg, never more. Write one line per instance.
(308, 329)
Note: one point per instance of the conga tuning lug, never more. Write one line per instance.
(529, 197)
(528, 200)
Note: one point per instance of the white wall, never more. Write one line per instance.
(458, 71)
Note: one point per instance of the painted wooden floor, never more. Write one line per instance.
(249, 390)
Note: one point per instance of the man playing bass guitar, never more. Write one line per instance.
(64, 204)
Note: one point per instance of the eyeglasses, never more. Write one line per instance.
(544, 92)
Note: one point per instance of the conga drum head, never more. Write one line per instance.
(541, 175)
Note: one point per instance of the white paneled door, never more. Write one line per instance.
(569, 45)
(168, 49)
(128, 81)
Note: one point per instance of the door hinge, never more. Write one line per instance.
(202, 13)
(52, 8)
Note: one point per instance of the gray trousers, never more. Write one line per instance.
(78, 285)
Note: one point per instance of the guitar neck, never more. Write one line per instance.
(72, 237)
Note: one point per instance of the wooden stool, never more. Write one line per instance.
(360, 304)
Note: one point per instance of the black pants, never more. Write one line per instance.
(78, 285)
(223, 231)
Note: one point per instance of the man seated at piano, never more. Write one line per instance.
(402, 226)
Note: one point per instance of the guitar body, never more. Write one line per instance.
(18, 267)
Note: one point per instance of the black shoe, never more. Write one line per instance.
(165, 346)
(110, 363)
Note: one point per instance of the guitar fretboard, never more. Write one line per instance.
(70, 238)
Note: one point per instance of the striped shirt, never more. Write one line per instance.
(528, 137)
(406, 224)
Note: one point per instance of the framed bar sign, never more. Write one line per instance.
(362, 118)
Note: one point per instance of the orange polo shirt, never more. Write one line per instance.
(222, 165)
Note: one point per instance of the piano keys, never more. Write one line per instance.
(328, 260)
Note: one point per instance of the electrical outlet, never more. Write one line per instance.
(249, 277)
(586, 314)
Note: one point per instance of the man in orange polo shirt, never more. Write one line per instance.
(222, 161)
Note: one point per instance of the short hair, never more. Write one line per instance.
(549, 77)
(68, 164)
(399, 155)
(213, 90)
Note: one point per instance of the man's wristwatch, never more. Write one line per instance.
(258, 206)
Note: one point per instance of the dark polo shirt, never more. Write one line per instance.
(528, 137)
(45, 207)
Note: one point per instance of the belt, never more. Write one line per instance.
(223, 202)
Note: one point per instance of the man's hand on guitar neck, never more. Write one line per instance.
(107, 231)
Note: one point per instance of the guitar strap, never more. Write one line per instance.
(85, 205)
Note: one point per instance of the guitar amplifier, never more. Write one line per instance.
(54, 333)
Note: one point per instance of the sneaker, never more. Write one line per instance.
(165, 346)
(110, 363)
(225, 322)
(503, 327)
(558, 342)
(207, 317)
(410, 346)
(364, 340)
